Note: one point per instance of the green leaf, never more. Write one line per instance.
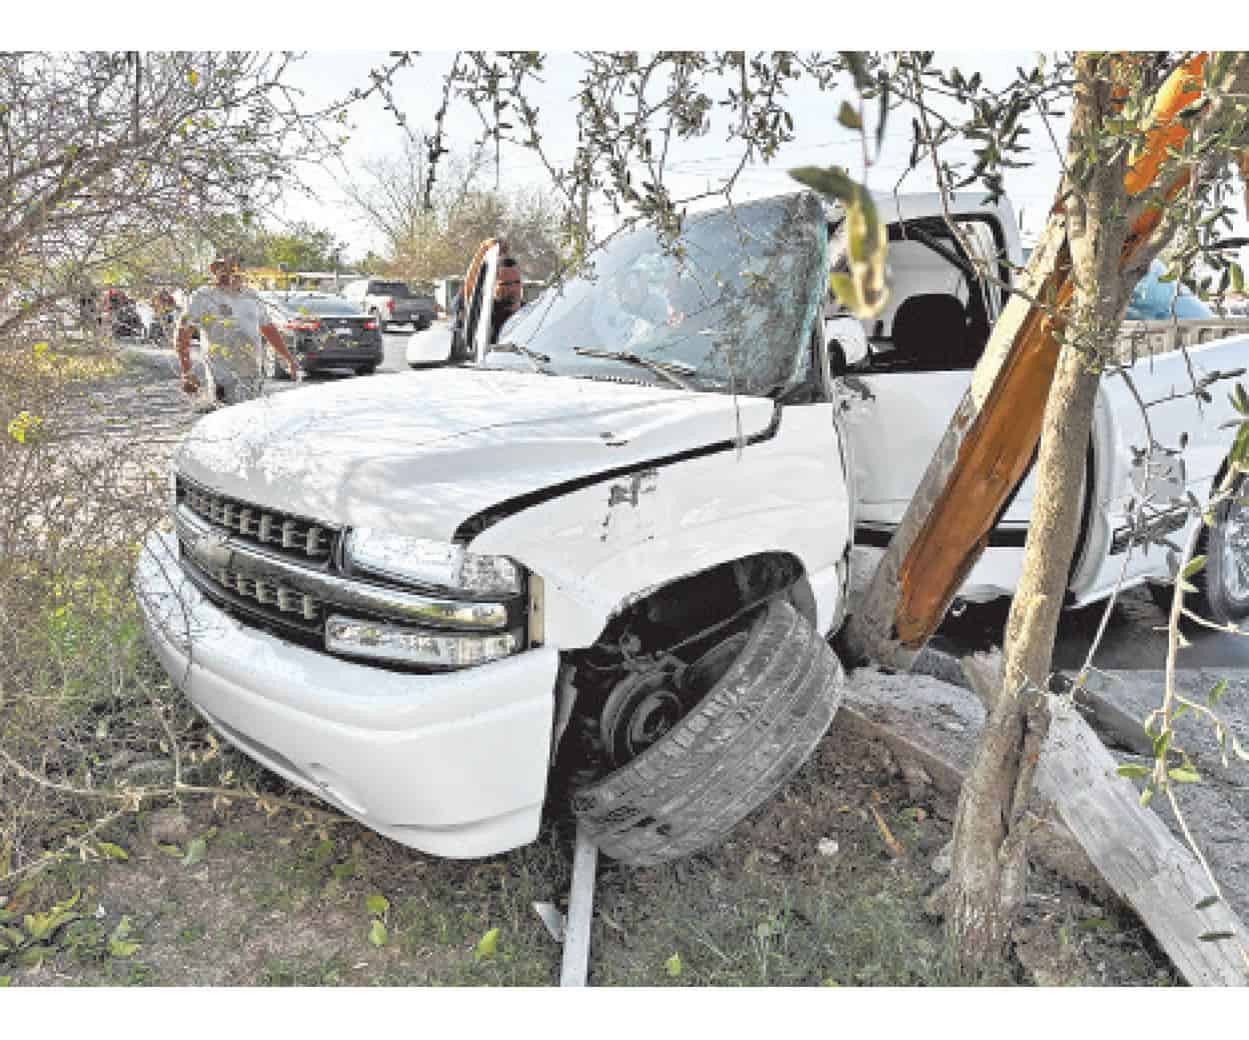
(194, 852)
(119, 942)
(862, 290)
(846, 291)
(1133, 772)
(848, 117)
(1194, 565)
(487, 945)
(1184, 774)
(33, 955)
(107, 848)
(1147, 796)
(1216, 692)
(858, 67)
(377, 904)
(1240, 446)
(1206, 903)
(171, 850)
(121, 948)
(673, 966)
(377, 933)
(5, 980)
(1161, 742)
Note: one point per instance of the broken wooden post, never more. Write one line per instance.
(1100, 825)
(989, 443)
(1136, 854)
(575, 967)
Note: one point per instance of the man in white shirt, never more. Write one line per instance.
(233, 326)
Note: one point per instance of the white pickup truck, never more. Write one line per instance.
(602, 563)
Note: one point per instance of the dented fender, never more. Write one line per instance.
(602, 546)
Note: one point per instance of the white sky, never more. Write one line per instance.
(695, 164)
(336, 36)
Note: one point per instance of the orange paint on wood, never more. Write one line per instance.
(997, 449)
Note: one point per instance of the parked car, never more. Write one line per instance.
(323, 331)
(391, 303)
(600, 565)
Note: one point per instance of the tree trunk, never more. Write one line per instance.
(989, 863)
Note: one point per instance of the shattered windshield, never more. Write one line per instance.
(730, 305)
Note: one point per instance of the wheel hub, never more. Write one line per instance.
(1236, 549)
(640, 709)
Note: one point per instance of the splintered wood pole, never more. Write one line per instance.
(575, 968)
(1136, 854)
(988, 446)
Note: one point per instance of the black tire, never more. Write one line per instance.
(1223, 583)
(727, 756)
(365, 370)
(1226, 573)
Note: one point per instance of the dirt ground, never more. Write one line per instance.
(826, 885)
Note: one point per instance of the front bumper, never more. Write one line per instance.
(452, 764)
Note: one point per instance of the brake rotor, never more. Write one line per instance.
(640, 709)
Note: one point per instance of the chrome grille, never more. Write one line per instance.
(258, 525)
(297, 593)
(269, 593)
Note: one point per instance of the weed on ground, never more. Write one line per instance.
(826, 885)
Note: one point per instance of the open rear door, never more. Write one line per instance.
(480, 304)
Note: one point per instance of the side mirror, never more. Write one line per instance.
(848, 334)
(431, 346)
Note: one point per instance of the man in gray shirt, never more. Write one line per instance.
(233, 328)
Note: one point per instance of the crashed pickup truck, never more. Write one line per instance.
(600, 566)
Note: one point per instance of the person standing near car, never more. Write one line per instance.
(508, 296)
(233, 327)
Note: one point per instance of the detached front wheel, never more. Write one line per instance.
(769, 694)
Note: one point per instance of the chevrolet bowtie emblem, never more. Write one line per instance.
(213, 550)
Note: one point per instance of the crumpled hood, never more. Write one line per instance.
(421, 452)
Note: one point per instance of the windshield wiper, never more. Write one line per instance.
(670, 370)
(534, 357)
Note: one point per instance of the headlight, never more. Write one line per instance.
(377, 639)
(423, 562)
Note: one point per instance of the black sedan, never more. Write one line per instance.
(323, 331)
